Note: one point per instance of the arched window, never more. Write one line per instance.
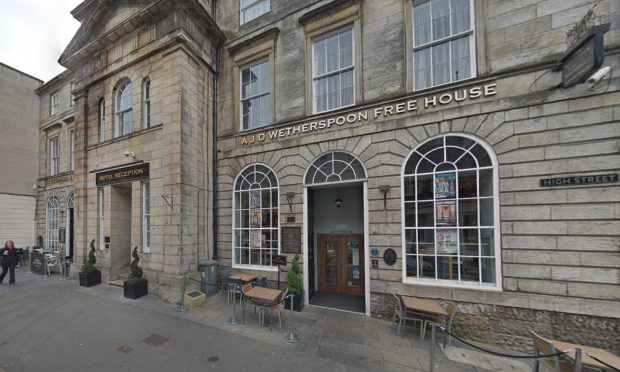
(335, 167)
(450, 213)
(256, 211)
(123, 109)
(146, 103)
(101, 120)
(51, 224)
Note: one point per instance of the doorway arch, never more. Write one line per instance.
(340, 228)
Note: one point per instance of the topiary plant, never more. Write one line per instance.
(89, 265)
(136, 271)
(295, 283)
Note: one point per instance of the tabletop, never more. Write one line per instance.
(425, 305)
(243, 277)
(603, 355)
(263, 293)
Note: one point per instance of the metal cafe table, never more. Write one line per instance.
(424, 305)
(589, 355)
(262, 294)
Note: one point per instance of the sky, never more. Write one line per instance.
(35, 33)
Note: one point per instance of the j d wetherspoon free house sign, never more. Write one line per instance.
(387, 110)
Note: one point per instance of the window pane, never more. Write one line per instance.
(487, 243)
(470, 269)
(426, 241)
(410, 241)
(421, 21)
(440, 10)
(409, 188)
(428, 267)
(468, 242)
(488, 270)
(447, 268)
(346, 48)
(441, 64)
(347, 88)
(409, 214)
(467, 184)
(486, 212)
(460, 59)
(422, 68)
(486, 182)
(319, 58)
(426, 216)
(460, 15)
(331, 49)
(425, 187)
(468, 214)
(412, 265)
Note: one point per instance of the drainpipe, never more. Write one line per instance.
(214, 144)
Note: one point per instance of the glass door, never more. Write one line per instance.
(341, 264)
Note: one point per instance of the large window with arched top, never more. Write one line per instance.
(450, 213)
(256, 217)
(51, 224)
(123, 109)
(335, 167)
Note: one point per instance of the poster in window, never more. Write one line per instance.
(445, 213)
(255, 239)
(254, 199)
(445, 185)
(447, 241)
(255, 217)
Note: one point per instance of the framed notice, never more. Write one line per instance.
(445, 185)
(291, 239)
(445, 213)
(447, 241)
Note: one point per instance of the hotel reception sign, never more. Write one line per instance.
(120, 175)
(394, 110)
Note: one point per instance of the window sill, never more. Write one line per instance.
(254, 267)
(334, 109)
(447, 284)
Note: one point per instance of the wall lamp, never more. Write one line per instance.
(384, 189)
(289, 197)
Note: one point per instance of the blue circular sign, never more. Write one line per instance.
(374, 252)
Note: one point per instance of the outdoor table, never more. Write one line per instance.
(243, 277)
(424, 305)
(260, 293)
(608, 358)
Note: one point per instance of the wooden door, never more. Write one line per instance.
(341, 264)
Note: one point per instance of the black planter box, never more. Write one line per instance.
(136, 290)
(90, 279)
(298, 302)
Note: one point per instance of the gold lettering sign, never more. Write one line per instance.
(58, 180)
(127, 174)
(394, 109)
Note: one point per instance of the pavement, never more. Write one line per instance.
(53, 324)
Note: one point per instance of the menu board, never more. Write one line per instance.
(445, 185)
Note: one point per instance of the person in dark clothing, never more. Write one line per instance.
(9, 260)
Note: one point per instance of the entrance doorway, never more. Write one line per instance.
(120, 230)
(69, 229)
(337, 263)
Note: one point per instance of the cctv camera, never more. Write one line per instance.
(130, 153)
(598, 76)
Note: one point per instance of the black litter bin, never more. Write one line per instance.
(208, 275)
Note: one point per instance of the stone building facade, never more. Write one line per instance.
(19, 120)
(352, 154)
(396, 146)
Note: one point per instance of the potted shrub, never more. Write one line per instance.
(295, 286)
(90, 276)
(135, 286)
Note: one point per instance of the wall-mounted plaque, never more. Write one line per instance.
(278, 259)
(389, 256)
(584, 57)
(291, 239)
(120, 175)
(374, 264)
(579, 180)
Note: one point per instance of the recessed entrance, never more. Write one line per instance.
(120, 230)
(337, 259)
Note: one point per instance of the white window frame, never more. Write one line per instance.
(100, 218)
(146, 103)
(119, 129)
(146, 216)
(72, 139)
(472, 46)
(242, 9)
(497, 286)
(54, 155)
(51, 224)
(101, 120)
(328, 34)
(234, 227)
(53, 103)
(268, 93)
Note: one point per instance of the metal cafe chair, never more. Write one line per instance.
(277, 307)
(555, 363)
(403, 315)
(53, 260)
